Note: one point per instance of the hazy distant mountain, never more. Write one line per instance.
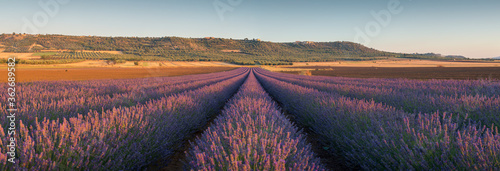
(242, 51)
(456, 56)
(496, 57)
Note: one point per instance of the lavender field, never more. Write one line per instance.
(254, 119)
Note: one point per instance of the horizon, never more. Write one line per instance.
(232, 39)
(403, 26)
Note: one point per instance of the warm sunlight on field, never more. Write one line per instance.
(250, 85)
(5, 55)
(398, 63)
(101, 51)
(51, 74)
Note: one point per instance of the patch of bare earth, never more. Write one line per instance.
(101, 51)
(24, 56)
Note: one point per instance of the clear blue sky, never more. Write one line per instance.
(450, 27)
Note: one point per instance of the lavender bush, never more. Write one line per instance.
(378, 124)
(130, 94)
(380, 137)
(121, 138)
(251, 134)
(477, 100)
(487, 88)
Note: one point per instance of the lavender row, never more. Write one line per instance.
(251, 134)
(483, 109)
(123, 138)
(49, 91)
(58, 90)
(44, 92)
(378, 137)
(488, 88)
(71, 107)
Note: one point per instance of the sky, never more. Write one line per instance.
(449, 27)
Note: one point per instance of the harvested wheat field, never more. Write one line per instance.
(5, 55)
(95, 51)
(26, 56)
(130, 64)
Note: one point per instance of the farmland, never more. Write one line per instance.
(397, 68)
(86, 73)
(463, 73)
(234, 85)
(243, 52)
(254, 119)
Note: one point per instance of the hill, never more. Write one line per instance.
(456, 56)
(196, 49)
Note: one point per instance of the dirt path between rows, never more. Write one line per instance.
(176, 161)
(331, 162)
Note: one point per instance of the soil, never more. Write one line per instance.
(462, 73)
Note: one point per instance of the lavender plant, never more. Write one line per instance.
(477, 100)
(251, 134)
(380, 137)
(139, 92)
(121, 138)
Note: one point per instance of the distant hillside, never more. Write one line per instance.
(199, 49)
(496, 57)
(456, 56)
